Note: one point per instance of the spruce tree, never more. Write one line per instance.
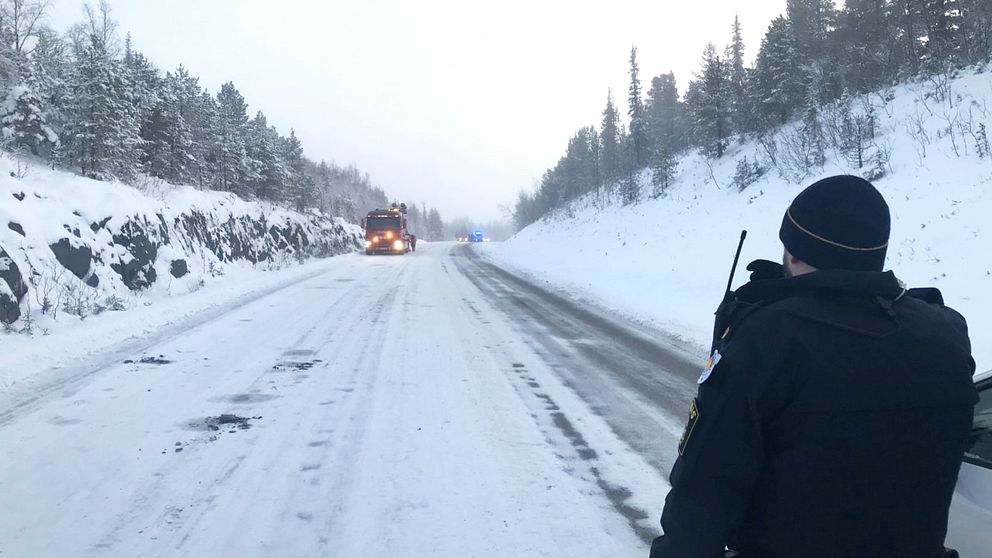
(640, 143)
(810, 22)
(179, 99)
(942, 22)
(664, 165)
(101, 132)
(232, 170)
(775, 85)
(24, 123)
(48, 76)
(739, 106)
(269, 176)
(864, 39)
(974, 41)
(609, 139)
(664, 114)
(709, 105)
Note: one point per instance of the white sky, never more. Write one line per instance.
(456, 103)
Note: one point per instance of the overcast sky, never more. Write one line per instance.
(458, 103)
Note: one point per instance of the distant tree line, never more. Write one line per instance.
(812, 56)
(88, 101)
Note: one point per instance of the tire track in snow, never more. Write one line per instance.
(636, 383)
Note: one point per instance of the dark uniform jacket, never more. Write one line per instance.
(832, 425)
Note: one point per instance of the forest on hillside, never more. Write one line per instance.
(810, 66)
(89, 101)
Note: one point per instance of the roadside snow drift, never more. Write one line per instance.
(667, 260)
(77, 246)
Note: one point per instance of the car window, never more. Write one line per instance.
(980, 452)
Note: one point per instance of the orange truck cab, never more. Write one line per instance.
(386, 231)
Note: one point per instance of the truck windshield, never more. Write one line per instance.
(382, 223)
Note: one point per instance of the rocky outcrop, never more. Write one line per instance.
(178, 268)
(134, 252)
(12, 290)
(77, 259)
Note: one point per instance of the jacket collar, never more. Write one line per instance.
(837, 282)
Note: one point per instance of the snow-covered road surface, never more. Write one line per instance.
(425, 405)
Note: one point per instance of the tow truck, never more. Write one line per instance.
(386, 231)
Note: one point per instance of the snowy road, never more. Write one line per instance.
(426, 405)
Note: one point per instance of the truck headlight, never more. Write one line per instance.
(375, 239)
(398, 245)
(368, 243)
(389, 235)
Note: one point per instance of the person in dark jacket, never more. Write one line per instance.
(834, 412)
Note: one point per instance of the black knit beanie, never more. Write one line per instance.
(841, 222)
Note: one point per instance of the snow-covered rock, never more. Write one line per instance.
(68, 242)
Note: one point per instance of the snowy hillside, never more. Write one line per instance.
(71, 247)
(666, 260)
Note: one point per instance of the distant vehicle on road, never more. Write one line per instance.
(386, 231)
(968, 526)
(476, 236)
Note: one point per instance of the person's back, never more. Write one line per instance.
(863, 457)
(834, 413)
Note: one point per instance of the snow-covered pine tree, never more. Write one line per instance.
(975, 37)
(737, 76)
(640, 142)
(864, 40)
(299, 185)
(48, 76)
(435, 226)
(270, 176)
(202, 120)
(609, 139)
(229, 156)
(628, 187)
(664, 165)
(23, 122)
(811, 22)
(942, 22)
(177, 148)
(907, 22)
(665, 113)
(709, 105)
(101, 136)
(775, 85)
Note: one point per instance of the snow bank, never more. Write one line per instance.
(665, 261)
(75, 246)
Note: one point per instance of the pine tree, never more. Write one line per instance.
(665, 114)
(299, 186)
(101, 133)
(942, 23)
(24, 123)
(435, 226)
(810, 22)
(975, 36)
(269, 177)
(176, 143)
(812, 134)
(664, 165)
(739, 106)
(864, 39)
(640, 142)
(203, 121)
(709, 105)
(609, 138)
(232, 170)
(775, 85)
(907, 19)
